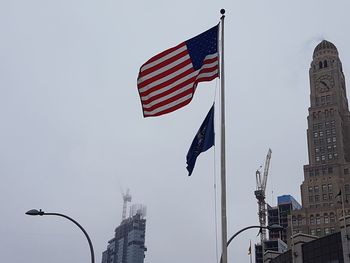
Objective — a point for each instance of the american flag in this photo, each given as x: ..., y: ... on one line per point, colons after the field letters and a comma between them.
x: 167, y: 81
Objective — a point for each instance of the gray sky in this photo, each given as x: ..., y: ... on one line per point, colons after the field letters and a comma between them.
x: 72, y: 133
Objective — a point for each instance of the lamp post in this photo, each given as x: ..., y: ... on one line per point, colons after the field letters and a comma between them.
x: 34, y: 212
x: 272, y: 227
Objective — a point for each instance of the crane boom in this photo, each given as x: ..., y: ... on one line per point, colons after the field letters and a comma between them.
x: 126, y: 198
x: 266, y: 169
x: 260, y: 194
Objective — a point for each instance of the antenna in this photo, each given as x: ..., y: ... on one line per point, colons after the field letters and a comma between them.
x: 126, y: 199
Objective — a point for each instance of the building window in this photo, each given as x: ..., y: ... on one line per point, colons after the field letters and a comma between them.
x: 294, y: 220
x: 313, y: 232
x: 330, y: 170
x: 332, y: 230
x: 315, y: 134
x: 318, y: 232
x: 334, y: 139
x: 327, y: 231
x: 312, y: 220
x: 329, y: 140
x: 324, y: 197
x: 325, y: 63
x: 317, y: 198
x: 346, y: 171
x: 323, y: 157
x: 316, y: 189
x: 331, y: 217
x: 311, y: 189
x: 318, y: 219
x: 330, y: 196
x: 330, y: 187
x: 317, y: 158
x: 317, y: 150
x: 326, y: 218
x: 300, y: 220
x: 330, y: 156
x: 324, y: 188
x: 311, y: 199
x: 320, y: 65
x: 347, y: 188
x: 321, y: 133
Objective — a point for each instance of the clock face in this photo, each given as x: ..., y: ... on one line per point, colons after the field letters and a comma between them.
x: 324, y: 83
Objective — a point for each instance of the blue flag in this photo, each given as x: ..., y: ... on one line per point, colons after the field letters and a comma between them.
x: 203, y: 141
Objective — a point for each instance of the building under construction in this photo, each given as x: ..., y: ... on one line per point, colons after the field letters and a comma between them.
x: 128, y: 243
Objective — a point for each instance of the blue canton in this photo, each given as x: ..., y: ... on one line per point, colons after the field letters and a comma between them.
x: 202, y: 45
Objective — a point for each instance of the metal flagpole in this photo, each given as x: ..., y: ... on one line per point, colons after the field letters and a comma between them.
x: 223, y: 149
x: 250, y: 252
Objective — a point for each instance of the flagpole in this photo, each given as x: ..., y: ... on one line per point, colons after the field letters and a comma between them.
x: 223, y: 149
x: 250, y: 250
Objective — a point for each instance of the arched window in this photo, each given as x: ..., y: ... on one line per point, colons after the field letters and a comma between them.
x: 325, y: 63
x: 318, y: 219
x: 300, y: 220
x: 320, y: 64
x: 312, y: 220
x: 326, y: 218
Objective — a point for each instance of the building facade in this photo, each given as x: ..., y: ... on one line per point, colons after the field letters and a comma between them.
x: 325, y: 190
x: 128, y: 243
x: 277, y: 215
x: 332, y: 248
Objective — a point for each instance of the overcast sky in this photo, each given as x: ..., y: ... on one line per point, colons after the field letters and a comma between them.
x: 73, y: 137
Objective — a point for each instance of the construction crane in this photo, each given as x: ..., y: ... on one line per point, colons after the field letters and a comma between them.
x: 126, y: 198
x: 261, y: 180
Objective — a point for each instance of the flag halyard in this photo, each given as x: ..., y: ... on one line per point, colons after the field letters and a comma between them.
x: 167, y: 81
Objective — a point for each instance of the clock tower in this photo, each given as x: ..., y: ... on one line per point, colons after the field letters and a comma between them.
x: 328, y: 120
x: 325, y: 191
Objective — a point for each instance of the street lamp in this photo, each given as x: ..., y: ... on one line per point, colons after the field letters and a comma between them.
x: 34, y: 212
x: 272, y: 227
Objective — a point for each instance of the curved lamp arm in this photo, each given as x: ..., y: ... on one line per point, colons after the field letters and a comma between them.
x: 272, y: 227
x: 35, y: 212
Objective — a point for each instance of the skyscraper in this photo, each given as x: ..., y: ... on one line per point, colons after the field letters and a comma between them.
x: 325, y: 191
x: 128, y: 243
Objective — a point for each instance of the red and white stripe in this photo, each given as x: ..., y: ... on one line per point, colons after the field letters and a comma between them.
x: 168, y: 80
